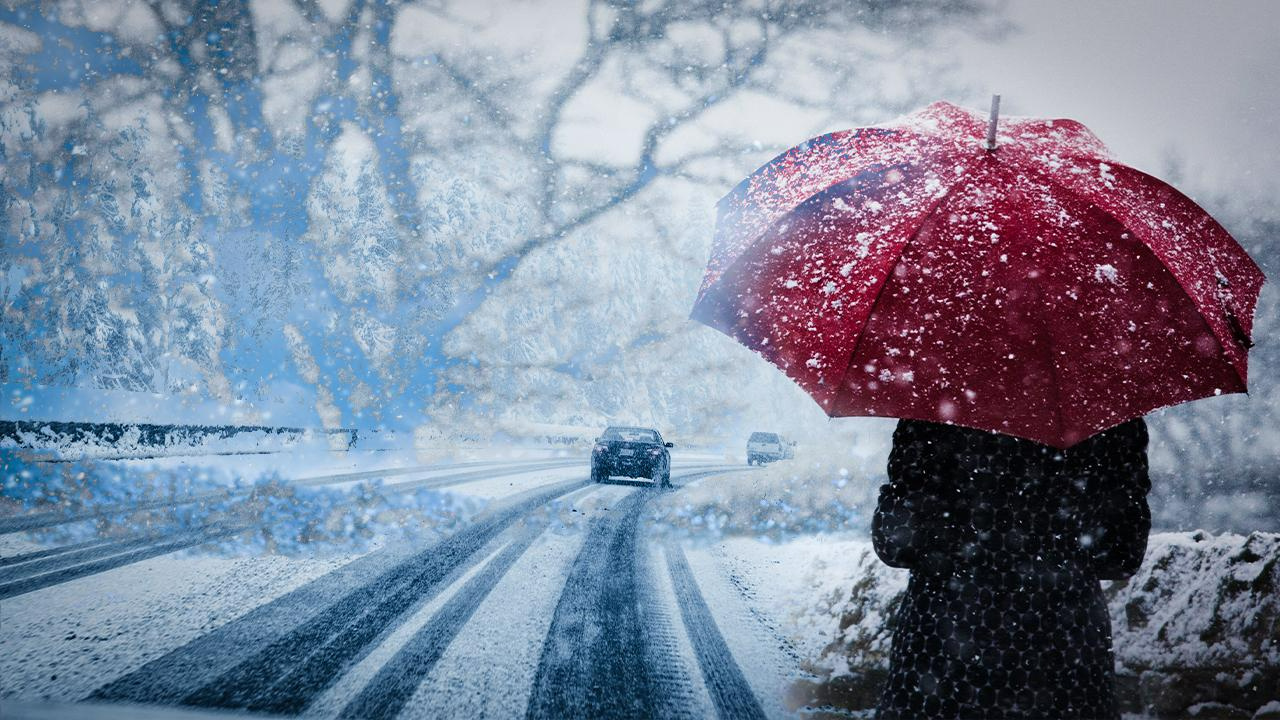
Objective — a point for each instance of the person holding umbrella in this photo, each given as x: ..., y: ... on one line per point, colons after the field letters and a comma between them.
x: 1006, y: 540
x: 1020, y: 300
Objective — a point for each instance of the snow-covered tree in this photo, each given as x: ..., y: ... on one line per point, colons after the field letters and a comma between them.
x: 403, y: 207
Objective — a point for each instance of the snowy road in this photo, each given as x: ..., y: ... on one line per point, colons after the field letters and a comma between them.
x: 562, y: 599
x: 42, y: 568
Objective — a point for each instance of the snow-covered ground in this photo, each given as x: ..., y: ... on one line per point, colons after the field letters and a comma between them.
x: 57, y: 640
x: 1195, y: 630
x: 305, y: 493
x: 758, y: 580
x: 67, y: 639
x: 779, y: 501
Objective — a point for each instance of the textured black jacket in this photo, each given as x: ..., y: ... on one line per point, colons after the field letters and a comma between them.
x: 1006, y: 540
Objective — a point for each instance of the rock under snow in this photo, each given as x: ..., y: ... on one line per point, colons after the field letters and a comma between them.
x: 1196, y: 630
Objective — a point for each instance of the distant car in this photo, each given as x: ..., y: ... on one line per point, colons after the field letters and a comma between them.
x: 632, y: 452
x: 767, y: 447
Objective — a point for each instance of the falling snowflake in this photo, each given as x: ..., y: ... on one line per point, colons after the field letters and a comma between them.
x: 1106, y: 272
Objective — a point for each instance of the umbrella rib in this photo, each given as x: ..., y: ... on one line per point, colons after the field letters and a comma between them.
x: 1054, y: 381
x: 915, y: 232
x: 745, y: 182
x: 1051, y: 180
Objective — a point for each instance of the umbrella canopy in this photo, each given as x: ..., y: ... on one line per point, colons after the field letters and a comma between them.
x: 1039, y: 289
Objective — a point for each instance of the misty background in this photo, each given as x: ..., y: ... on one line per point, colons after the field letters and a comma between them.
x: 456, y: 219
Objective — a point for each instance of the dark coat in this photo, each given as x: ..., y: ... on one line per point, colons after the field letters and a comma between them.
x: 1006, y: 540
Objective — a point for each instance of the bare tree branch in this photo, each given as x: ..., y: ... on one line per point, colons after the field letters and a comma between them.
x: 481, y: 98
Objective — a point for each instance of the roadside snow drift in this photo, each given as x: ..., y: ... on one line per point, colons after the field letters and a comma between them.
x: 1196, y: 630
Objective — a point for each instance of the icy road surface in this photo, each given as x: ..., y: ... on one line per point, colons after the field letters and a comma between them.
x: 561, y: 600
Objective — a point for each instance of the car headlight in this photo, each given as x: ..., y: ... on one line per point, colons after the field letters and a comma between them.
x: 601, y: 448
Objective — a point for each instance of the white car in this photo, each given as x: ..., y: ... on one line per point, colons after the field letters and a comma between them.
x: 766, y: 447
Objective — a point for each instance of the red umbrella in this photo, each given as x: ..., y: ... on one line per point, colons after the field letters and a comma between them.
x: 1031, y: 285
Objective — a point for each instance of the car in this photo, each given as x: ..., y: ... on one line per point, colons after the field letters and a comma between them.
x: 631, y: 452
x: 767, y: 447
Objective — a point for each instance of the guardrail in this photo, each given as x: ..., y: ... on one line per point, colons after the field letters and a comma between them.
x: 74, y: 440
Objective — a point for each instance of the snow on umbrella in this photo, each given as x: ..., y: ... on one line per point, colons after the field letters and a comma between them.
x: 1027, y: 284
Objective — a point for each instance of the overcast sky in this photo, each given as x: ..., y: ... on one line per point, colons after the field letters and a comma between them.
x: 1196, y: 78
x: 1152, y: 78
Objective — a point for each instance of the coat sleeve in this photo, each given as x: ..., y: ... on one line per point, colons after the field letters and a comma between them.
x: 1117, y: 520
x: 913, y: 519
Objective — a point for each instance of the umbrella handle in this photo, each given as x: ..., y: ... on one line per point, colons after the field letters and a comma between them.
x: 992, y: 122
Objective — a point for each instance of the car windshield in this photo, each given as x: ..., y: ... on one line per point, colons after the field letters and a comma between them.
x: 631, y: 435
x: 763, y: 437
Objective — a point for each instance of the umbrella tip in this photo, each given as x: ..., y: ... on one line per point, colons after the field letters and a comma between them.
x: 992, y: 122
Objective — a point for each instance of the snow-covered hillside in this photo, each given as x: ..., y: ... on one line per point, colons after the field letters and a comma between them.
x: 1196, y: 630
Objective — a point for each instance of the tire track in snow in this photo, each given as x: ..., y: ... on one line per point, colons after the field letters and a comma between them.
x: 590, y: 667
x: 490, y: 466
x: 26, y: 557
x: 42, y: 569
x: 73, y: 555
x: 728, y: 687
x: 114, y: 559
x: 287, y: 675
x: 608, y: 653
x: 504, y: 637
x: 444, y: 480
x: 388, y: 692
x: 282, y: 656
x: 37, y: 521
x: 324, y: 626
x: 664, y: 657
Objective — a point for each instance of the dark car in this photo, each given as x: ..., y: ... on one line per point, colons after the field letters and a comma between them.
x: 633, y: 452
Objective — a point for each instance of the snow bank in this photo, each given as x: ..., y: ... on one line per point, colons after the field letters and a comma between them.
x: 99, y: 500
x: 1199, y: 625
x: 1197, y: 629
x: 777, y: 502
x: 75, y: 441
